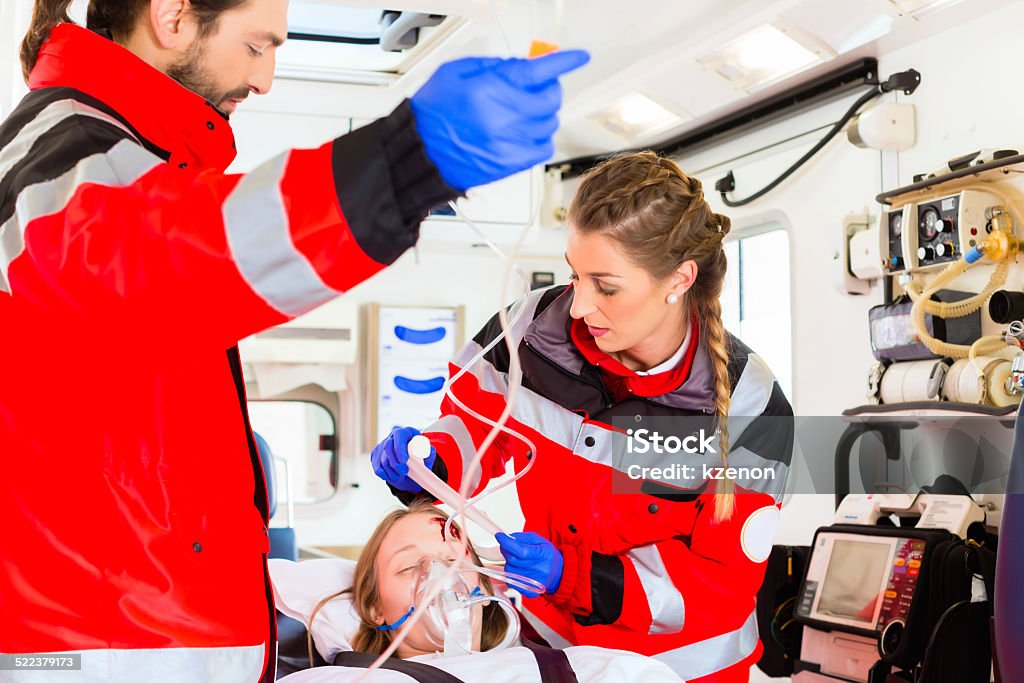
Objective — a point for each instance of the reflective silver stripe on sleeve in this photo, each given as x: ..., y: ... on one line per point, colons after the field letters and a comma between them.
x: 239, y: 664
x: 668, y: 611
x: 45, y: 120
x: 122, y: 165
x: 705, y: 657
x: 752, y: 392
x: 522, y: 312
x: 749, y: 399
x: 531, y: 409
x: 595, y: 442
x: 490, y: 378
x: 261, y: 243
x: 456, y: 428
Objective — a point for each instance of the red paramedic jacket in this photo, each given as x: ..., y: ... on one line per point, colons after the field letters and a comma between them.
x: 650, y: 571
x: 133, y: 504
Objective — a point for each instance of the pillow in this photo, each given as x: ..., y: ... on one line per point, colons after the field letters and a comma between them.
x: 300, y: 586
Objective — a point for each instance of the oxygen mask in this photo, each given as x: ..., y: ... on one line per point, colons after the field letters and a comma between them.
x: 454, y: 603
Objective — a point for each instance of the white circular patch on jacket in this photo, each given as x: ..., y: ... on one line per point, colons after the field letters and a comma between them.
x: 759, y: 532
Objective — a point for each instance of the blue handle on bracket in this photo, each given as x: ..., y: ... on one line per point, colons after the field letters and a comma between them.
x: 408, y: 334
x: 419, y: 386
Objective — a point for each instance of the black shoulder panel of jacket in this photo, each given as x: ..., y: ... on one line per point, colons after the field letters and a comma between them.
x: 772, y: 433
x: 54, y: 153
x: 59, y: 148
x: 407, y: 497
x: 386, y: 184
x: 738, y: 355
x: 607, y: 587
x: 36, y: 101
x: 498, y: 356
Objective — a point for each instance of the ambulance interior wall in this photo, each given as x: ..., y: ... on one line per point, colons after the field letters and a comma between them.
x: 962, y: 104
x: 968, y: 99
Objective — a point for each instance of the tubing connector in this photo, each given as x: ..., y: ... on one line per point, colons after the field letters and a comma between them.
x: 1001, y: 245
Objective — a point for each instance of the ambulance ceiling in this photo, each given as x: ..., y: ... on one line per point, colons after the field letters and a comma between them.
x: 659, y: 66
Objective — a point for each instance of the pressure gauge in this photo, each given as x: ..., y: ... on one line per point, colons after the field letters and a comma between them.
x: 929, y: 224
x: 896, y: 224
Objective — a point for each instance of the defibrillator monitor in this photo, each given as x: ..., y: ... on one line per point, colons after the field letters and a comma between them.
x: 854, y: 580
x: 862, y: 579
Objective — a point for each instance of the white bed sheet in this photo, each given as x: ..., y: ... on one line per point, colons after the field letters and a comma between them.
x: 299, y: 586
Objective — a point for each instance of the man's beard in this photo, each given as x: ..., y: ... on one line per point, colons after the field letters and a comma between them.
x: 191, y: 72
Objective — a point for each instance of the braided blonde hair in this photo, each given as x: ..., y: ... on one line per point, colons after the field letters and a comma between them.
x: 658, y: 216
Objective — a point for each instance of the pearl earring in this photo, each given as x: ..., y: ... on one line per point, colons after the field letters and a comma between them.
x: 672, y: 299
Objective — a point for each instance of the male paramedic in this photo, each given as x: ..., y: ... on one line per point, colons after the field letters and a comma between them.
x: 133, y: 505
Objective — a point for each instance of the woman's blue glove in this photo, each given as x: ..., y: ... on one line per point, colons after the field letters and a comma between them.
x: 533, y: 556
x: 482, y: 118
x: 390, y: 459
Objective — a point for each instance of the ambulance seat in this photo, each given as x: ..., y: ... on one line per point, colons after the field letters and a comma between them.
x: 282, y: 539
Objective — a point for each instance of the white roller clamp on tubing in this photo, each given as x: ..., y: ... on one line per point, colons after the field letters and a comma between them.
x: 419, y: 451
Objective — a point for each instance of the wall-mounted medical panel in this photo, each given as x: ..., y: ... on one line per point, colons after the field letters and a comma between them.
x: 408, y: 353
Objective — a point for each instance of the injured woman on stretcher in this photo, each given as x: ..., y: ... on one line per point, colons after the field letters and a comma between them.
x: 468, y: 633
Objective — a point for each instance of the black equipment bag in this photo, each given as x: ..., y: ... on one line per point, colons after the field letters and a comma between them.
x: 959, y: 648
x: 780, y: 634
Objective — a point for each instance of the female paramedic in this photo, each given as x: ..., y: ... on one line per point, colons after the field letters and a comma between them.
x: 662, y: 571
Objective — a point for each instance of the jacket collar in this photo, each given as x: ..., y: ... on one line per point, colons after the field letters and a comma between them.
x: 162, y: 111
x: 549, y: 334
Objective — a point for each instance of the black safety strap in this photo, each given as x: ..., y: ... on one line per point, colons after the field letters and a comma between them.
x: 553, y: 664
x: 423, y: 673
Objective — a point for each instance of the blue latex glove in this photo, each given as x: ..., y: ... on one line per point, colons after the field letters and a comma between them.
x: 390, y: 459
x: 482, y: 118
x: 533, y: 556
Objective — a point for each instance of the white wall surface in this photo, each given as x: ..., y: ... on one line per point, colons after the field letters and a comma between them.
x: 430, y: 279
x: 14, y: 19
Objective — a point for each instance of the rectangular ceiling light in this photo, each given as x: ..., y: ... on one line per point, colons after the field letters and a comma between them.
x: 764, y: 56
x: 636, y: 116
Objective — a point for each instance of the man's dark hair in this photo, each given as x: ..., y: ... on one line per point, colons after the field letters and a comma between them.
x: 117, y: 16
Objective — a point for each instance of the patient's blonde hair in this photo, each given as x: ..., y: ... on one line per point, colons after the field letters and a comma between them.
x: 365, y: 590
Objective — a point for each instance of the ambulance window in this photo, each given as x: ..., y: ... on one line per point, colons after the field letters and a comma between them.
x: 756, y: 305
x: 303, y: 438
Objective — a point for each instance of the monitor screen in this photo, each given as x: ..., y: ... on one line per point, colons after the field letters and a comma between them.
x: 853, y: 582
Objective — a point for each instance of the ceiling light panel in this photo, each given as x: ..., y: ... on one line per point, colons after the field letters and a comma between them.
x: 636, y: 116
x: 766, y: 55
